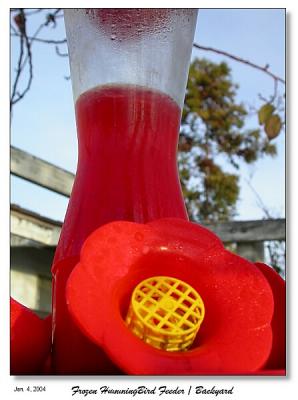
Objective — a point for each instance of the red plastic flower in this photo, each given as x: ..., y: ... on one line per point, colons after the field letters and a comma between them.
x: 276, y: 362
x: 236, y: 335
x: 30, y: 340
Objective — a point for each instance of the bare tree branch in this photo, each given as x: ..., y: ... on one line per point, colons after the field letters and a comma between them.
x: 18, y: 71
x: 47, y: 41
x: 34, y: 11
x: 25, y: 54
x: 14, y: 31
x: 29, y: 56
x: 264, y: 69
x: 16, y: 95
x: 58, y: 52
x: 260, y: 202
x: 276, y: 249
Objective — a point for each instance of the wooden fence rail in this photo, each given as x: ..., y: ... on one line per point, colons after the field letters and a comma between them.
x: 40, y: 172
x: 35, y: 237
x: 248, y: 235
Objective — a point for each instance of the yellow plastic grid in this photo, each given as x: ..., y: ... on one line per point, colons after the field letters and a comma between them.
x: 166, y: 313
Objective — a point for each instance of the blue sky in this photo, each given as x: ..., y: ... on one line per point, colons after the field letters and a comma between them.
x: 44, y: 125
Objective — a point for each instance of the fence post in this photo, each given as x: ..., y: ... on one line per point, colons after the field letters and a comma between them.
x: 253, y: 251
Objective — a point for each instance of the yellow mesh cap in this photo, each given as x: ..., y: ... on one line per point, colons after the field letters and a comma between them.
x: 166, y: 313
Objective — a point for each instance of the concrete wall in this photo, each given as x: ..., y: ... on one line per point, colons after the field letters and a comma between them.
x: 31, y: 290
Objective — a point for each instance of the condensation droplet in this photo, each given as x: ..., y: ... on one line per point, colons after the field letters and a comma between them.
x: 146, y: 249
x: 139, y: 236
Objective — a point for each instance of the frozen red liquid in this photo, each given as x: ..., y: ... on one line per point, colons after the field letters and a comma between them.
x: 127, y: 170
x: 129, y: 23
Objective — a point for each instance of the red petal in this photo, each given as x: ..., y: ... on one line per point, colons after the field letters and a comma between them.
x: 30, y: 340
x: 277, y: 359
x: 236, y: 333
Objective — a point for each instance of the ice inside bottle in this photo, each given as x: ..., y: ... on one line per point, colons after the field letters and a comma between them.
x: 129, y: 71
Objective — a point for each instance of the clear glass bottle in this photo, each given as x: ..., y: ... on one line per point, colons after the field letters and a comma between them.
x: 129, y: 71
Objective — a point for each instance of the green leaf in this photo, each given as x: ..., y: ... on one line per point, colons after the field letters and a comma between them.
x: 265, y: 113
x: 273, y: 126
x: 214, y: 123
